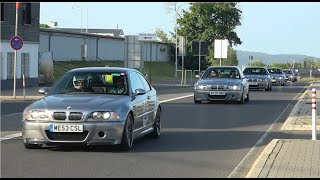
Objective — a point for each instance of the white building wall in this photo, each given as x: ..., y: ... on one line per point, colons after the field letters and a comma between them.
x: 32, y: 49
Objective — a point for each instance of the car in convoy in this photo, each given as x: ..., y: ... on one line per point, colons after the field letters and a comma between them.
x: 258, y: 78
x: 278, y: 77
x: 290, y: 76
x: 221, y: 83
x: 93, y: 106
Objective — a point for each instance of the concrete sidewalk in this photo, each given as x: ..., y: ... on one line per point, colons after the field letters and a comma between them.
x: 292, y: 158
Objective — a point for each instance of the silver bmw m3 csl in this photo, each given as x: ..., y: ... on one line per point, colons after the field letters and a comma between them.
x: 221, y: 83
x: 93, y: 106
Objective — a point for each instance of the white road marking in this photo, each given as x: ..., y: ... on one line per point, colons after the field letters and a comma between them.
x: 11, y: 114
x: 264, y: 135
x: 11, y: 136
x: 173, y: 99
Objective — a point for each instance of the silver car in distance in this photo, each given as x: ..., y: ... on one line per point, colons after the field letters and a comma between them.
x: 93, y: 106
x: 258, y: 78
x: 278, y: 77
x: 221, y: 83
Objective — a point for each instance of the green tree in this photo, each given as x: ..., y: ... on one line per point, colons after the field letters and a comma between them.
x: 257, y: 63
x: 281, y: 65
x: 309, y: 62
x: 163, y: 36
x: 210, y: 21
x: 317, y: 64
x: 44, y: 26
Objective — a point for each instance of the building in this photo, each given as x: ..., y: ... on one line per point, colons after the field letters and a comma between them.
x: 27, y: 56
x: 96, y: 47
x: 108, y: 32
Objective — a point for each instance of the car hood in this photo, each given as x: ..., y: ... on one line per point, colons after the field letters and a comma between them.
x: 256, y: 76
x: 222, y: 81
x: 80, y: 102
x: 278, y: 75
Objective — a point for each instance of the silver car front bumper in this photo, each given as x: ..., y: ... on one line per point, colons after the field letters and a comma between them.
x: 229, y: 96
x: 39, y: 133
x: 258, y: 85
x: 278, y: 81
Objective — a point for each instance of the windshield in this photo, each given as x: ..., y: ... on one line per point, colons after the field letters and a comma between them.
x: 92, y: 83
x: 288, y: 71
x: 232, y: 73
x: 275, y: 71
x: 255, y: 71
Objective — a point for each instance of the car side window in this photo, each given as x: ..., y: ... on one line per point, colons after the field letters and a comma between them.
x: 135, y: 82
x: 145, y: 83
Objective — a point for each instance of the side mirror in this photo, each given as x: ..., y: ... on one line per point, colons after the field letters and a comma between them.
x: 44, y: 90
x: 139, y: 92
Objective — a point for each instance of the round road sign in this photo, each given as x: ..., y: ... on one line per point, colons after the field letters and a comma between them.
x: 16, y: 42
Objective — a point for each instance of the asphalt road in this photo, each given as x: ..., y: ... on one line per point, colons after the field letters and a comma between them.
x: 198, y: 140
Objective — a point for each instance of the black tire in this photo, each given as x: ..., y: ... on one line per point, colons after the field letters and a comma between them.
x: 127, y: 135
x: 241, y: 100
x: 32, y: 146
x: 157, y: 125
x: 248, y: 97
x: 196, y: 101
x: 268, y: 88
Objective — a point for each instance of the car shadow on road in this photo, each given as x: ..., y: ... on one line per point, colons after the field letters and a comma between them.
x: 182, y: 141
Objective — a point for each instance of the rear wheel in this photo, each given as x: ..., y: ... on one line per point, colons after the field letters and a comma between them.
x: 127, y: 136
x: 32, y: 146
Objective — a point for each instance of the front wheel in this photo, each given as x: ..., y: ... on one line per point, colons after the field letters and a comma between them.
x: 127, y: 136
x: 157, y: 125
x: 32, y: 146
x: 248, y: 98
x: 242, y: 99
x: 196, y: 101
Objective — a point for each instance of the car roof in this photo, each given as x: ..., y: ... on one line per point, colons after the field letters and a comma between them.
x: 274, y: 68
x: 256, y: 67
x: 99, y: 69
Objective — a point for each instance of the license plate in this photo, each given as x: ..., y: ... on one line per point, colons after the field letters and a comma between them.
x: 253, y: 83
x: 217, y: 93
x: 273, y: 80
x: 65, y: 128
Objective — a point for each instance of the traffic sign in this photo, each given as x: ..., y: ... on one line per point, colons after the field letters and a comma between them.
x: 16, y: 42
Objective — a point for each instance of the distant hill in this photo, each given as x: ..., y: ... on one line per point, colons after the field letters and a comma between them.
x: 243, y: 57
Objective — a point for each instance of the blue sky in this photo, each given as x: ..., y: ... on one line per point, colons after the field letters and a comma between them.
x: 268, y: 27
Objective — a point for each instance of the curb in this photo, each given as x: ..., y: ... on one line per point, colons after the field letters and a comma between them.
x: 258, y: 165
x: 290, y: 123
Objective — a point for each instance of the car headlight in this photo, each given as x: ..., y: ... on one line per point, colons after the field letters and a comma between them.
x: 36, y: 115
x: 104, y: 115
x: 235, y: 87
x: 201, y: 87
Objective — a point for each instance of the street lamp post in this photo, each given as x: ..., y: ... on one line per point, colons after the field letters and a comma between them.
x: 74, y: 7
